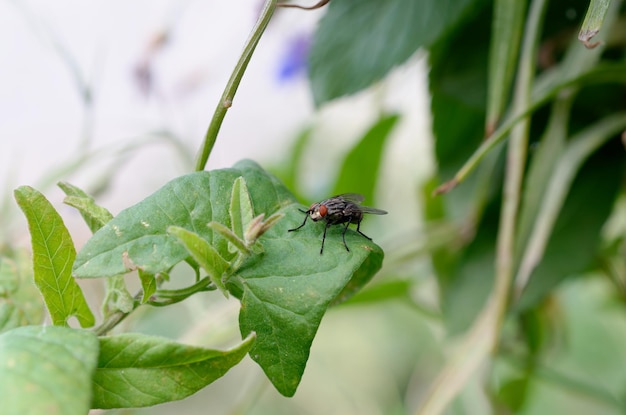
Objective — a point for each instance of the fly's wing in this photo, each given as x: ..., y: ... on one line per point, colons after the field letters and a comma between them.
x: 373, y: 211
x: 352, y: 197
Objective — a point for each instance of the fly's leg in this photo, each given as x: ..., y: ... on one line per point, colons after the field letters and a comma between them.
x: 303, y: 223
x: 344, y: 236
x: 358, y: 229
x: 324, y: 237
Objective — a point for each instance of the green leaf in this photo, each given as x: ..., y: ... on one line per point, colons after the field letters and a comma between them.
x: 359, y: 41
x: 204, y: 254
x: 139, y: 233
x: 94, y: 215
x: 117, y: 297
x: 508, y: 20
x: 290, y: 272
x: 148, y: 285
x: 593, y: 21
x: 135, y: 370
x: 359, y: 170
x: 286, y: 291
x: 53, y: 255
x: 514, y: 393
x: 47, y: 370
x: 241, y: 211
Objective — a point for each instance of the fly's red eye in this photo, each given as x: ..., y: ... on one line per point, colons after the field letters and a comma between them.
x: 323, y: 210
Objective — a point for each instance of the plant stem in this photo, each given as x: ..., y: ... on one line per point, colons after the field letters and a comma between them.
x: 482, y: 337
x: 226, y: 100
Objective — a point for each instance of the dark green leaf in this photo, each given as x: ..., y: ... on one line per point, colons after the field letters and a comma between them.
x: 359, y: 41
x: 574, y: 240
x: 138, y: 237
x: 286, y: 291
x: 508, y: 20
x: 513, y: 393
x: 47, y: 370
x: 135, y: 370
x: 53, y: 255
x: 359, y: 171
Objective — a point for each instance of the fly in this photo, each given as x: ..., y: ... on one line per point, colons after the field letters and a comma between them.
x: 337, y: 210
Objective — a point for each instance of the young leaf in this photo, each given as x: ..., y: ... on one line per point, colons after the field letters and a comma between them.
x: 47, y: 370
x: 117, y: 297
x: 53, y: 255
x: 359, y: 170
x: 135, y: 370
x: 148, y: 285
x: 94, y: 215
x: 241, y: 211
x: 204, y: 254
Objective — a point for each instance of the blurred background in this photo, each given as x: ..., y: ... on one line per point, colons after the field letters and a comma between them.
x: 115, y: 97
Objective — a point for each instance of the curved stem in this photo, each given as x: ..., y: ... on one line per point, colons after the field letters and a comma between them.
x: 226, y: 100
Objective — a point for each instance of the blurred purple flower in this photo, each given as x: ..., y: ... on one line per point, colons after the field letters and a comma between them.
x: 294, y: 59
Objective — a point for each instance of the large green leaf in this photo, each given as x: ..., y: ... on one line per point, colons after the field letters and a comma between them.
x: 47, y: 370
x: 135, y: 370
x: 53, y: 255
x: 284, y: 290
x: 359, y: 171
x: 359, y: 41
x: 138, y: 237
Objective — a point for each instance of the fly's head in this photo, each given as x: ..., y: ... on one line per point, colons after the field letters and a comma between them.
x: 317, y: 211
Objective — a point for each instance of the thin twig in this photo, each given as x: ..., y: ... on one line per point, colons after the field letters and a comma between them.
x: 319, y: 5
x: 226, y: 101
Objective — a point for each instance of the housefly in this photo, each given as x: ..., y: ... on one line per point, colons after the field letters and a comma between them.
x: 337, y: 210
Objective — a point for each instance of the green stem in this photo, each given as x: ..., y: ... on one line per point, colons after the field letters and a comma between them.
x: 226, y: 100
x: 482, y: 337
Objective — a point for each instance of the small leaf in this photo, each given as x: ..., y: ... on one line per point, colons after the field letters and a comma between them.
x: 359, y: 171
x: 94, y: 215
x: 241, y: 211
x: 117, y: 297
x: 135, y: 370
x: 47, y: 370
x: 234, y: 241
x: 204, y: 254
x: 53, y: 255
x: 148, y: 285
